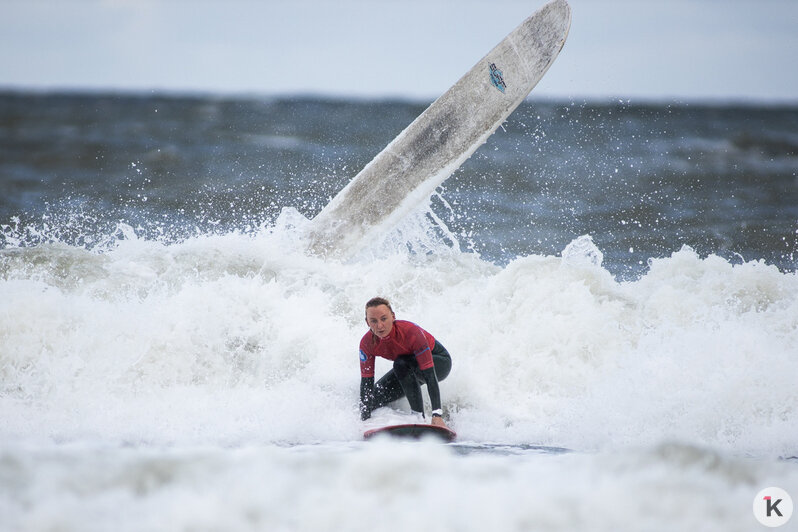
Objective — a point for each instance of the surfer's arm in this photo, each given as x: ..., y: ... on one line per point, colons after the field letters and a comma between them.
x: 432, y: 387
x: 366, y: 397
x: 366, y: 379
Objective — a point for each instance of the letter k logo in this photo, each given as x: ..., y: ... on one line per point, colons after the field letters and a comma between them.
x: 772, y: 506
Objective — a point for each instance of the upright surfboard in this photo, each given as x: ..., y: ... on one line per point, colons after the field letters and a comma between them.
x: 431, y: 148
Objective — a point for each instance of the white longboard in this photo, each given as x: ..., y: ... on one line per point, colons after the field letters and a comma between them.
x: 431, y: 148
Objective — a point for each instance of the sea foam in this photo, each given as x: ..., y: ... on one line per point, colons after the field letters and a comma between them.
x: 239, y: 337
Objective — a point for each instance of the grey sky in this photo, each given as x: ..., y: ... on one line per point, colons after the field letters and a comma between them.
x: 635, y: 49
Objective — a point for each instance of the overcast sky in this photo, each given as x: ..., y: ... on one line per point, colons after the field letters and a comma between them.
x: 631, y: 49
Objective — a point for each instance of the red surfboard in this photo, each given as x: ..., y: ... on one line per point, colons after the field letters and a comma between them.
x: 413, y: 431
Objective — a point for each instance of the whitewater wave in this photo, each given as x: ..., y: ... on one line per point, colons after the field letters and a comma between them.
x: 244, y: 337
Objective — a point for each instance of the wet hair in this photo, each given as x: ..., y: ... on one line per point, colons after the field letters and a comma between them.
x: 377, y: 301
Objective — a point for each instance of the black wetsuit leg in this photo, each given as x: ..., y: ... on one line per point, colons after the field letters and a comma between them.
x: 405, y: 369
x: 442, y: 360
x: 406, y: 375
x: 387, y: 390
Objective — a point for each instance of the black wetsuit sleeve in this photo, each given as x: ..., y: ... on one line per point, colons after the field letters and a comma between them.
x: 432, y: 387
x: 366, y: 397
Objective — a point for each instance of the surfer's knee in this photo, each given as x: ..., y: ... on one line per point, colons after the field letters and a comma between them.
x: 403, y: 366
x: 442, y: 360
x: 442, y: 367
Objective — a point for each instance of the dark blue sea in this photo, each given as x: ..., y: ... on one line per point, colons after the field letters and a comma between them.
x: 642, y: 179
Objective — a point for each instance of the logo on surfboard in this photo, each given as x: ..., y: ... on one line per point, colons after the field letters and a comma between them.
x: 496, y: 77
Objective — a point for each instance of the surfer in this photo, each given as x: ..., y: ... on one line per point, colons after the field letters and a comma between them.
x: 417, y: 359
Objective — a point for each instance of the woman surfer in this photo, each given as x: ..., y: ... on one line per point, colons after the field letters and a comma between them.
x: 417, y: 359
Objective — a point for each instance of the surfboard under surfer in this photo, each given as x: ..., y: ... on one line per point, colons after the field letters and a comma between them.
x: 417, y: 359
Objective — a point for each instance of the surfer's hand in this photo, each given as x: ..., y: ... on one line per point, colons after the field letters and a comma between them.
x: 438, y: 421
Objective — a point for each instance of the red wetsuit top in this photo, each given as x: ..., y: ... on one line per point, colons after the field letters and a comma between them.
x: 405, y: 338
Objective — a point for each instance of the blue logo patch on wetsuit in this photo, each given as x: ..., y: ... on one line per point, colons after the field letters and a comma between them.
x: 363, y: 356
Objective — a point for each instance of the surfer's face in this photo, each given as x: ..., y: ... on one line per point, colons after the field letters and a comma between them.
x: 380, y: 320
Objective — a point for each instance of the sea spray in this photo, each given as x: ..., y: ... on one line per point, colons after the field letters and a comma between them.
x: 237, y: 337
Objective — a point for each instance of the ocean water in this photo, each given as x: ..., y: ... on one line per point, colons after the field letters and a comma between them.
x: 615, y: 281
